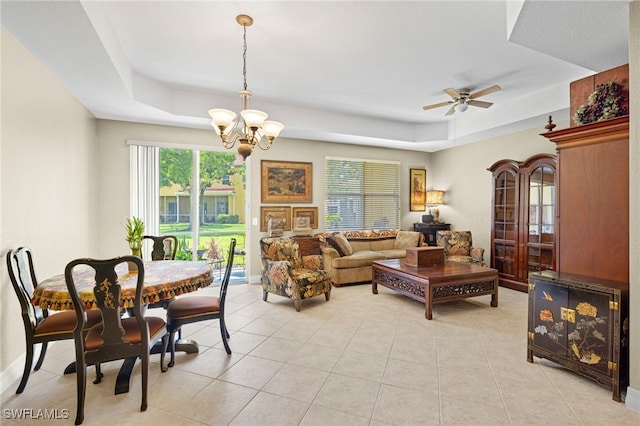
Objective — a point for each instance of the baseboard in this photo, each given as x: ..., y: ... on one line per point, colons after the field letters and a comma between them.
x: 10, y: 375
x: 632, y: 400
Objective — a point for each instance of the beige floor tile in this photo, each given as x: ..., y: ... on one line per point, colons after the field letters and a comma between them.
x: 218, y: 403
x: 277, y: 349
x: 209, y: 362
x: 317, y: 357
x: 242, y: 342
x: 252, y: 372
x: 263, y: 326
x: 473, y: 414
x: 417, y: 376
x: 322, y: 416
x: 362, y: 366
x: 296, y: 382
x: 398, y: 406
x: 266, y: 409
x: 348, y: 395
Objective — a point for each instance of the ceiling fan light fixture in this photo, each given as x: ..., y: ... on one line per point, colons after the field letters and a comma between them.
x: 462, y: 106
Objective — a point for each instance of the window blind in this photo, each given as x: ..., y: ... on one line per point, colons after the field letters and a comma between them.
x: 361, y: 194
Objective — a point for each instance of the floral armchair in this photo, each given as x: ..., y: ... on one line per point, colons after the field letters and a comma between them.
x: 458, y: 247
x: 288, y: 274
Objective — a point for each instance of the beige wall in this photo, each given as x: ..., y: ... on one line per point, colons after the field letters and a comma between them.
x: 48, y: 176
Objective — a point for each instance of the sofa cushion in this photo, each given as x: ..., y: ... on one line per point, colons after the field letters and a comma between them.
x: 406, y: 239
x: 393, y: 253
x: 357, y: 259
x: 340, y: 243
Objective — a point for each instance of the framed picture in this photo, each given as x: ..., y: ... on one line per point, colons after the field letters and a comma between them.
x: 417, y: 194
x: 286, y: 182
x: 310, y: 212
x: 276, y: 213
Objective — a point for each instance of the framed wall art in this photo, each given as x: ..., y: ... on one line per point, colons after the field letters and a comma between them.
x: 417, y: 194
x: 276, y: 213
x: 310, y: 212
x: 286, y: 182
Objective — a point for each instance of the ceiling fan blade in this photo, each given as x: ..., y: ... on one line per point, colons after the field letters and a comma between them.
x: 426, y: 107
x: 481, y: 104
x: 452, y: 109
x: 483, y: 92
x: 452, y: 92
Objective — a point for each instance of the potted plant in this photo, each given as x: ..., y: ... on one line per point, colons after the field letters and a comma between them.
x: 135, y: 231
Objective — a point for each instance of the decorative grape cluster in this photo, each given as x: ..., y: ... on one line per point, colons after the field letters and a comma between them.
x: 604, y: 103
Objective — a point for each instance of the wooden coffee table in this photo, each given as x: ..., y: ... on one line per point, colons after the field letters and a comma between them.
x: 450, y: 281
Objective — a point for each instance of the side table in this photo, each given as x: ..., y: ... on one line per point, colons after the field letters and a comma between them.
x: 429, y: 231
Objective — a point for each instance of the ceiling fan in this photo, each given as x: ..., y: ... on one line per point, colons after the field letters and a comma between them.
x: 462, y: 98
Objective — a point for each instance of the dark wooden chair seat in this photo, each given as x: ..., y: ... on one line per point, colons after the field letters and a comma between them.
x: 40, y: 327
x: 189, y: 309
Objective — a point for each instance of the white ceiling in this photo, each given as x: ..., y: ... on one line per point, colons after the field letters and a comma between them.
x: 344, y: 71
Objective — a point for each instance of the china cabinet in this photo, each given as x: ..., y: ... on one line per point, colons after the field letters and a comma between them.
x: 523, y: 218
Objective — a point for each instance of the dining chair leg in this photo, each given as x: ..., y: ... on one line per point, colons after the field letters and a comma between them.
x: 43, y: 351
x: 165, y: 343
x: 99, y: 374
x: 225, y: 335
x: 145, y: 378
x: 172, y: 347
x: 28, y: 362
x: 81, y: 381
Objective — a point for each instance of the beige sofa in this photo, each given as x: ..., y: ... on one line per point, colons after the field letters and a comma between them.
x: 348, y: 255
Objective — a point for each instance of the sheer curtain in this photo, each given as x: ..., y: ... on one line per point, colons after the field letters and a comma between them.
x: 144, y: 180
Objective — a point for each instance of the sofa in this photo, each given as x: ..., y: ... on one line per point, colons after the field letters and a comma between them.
x: 458, y: 247
x: 348, y: 256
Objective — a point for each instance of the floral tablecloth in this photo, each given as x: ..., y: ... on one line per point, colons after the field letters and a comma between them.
x: 162, y: 280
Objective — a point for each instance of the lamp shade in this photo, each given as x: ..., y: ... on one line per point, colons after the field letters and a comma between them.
x: 253, y: 118
x: 221, y: 117
x: 434, y: 197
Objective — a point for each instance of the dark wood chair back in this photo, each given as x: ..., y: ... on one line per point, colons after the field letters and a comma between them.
x: 189, y: 309
x: 159, y: 252
x: 39, y: 326
x: 116, y: 337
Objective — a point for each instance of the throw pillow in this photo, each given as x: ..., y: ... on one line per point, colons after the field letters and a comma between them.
x: 341, y: 244
x: 406, y: 239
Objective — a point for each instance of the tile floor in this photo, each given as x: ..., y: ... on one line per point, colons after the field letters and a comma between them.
x: 359, y: 359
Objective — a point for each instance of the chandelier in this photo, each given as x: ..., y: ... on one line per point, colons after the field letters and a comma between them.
x: 251, y: 128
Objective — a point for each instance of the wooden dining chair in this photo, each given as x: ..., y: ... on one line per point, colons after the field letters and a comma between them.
x: 164, y: 246
x: 40, y: 327
x: 115, y: 337
x: 188, y: 309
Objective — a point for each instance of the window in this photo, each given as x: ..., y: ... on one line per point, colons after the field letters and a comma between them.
x: 361, y: 194
x: 163, y: 196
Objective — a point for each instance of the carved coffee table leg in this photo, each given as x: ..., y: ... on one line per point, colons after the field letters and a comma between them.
x: 428, y: 302
x: 494, y: 297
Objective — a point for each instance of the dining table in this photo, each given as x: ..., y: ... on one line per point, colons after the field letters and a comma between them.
x: 163, y: 280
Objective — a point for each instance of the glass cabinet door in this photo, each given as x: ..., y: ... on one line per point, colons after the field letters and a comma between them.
x: 505, y: 218
x: 541, y: 219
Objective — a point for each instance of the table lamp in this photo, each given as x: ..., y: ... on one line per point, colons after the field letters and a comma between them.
x: 435, y: 198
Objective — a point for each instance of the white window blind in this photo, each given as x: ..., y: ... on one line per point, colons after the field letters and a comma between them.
x: 361, y: 194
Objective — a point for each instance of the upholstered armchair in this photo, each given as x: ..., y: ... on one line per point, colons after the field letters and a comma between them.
x: 288, y: 274
x: 458, y: 247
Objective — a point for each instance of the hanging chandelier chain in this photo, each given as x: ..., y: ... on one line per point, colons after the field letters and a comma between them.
x: 244, y: 57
